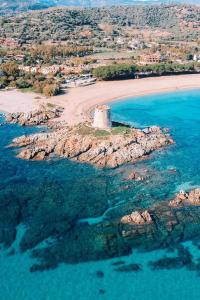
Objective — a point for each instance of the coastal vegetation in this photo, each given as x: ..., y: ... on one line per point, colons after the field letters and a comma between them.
x: 115, y: 71
x: 125, y: 71
x: 85, y: 130
x: 12, y: 76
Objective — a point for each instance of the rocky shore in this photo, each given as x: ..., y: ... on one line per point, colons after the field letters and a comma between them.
x: 83, y: 143
x: 40, y: 116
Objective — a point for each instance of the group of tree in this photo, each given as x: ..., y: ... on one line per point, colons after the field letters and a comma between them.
x: 125, y: 71
x: 115, y: 71
x: 68, y: 24
x: 11, y: 76
x: 47, y: 52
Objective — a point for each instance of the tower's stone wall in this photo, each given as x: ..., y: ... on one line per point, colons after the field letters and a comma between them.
x: 102, y: 117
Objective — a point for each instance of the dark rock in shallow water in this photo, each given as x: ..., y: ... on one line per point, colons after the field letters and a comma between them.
x: 100, y: 274
x: 118, y: 263
x: 167, y: 263
x: 129, y: 268
x: 42, y: 267
x: 183, y: 259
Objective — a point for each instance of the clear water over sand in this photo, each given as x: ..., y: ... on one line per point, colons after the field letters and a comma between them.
x: 51, y: 187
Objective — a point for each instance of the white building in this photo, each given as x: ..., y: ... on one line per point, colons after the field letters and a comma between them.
x: 102, y: 117
x: 196, y: 57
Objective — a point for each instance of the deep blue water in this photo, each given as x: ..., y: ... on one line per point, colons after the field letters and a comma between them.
x: 36, y: 196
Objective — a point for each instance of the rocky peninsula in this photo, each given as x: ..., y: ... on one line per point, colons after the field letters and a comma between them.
x: 83, y: 143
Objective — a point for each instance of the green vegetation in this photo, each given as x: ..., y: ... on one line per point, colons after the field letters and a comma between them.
x: 89, y: 26
x: 124, y: 71
x: 85, y: 130
x: 101, y: 133
x: 163, y: 68
x: 115, y: 71
x: 124, y: 130
x: 13, y: 77
x: 54, y: 54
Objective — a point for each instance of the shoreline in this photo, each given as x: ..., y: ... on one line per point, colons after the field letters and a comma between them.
x: 153, y: 92
x: 79, y: 102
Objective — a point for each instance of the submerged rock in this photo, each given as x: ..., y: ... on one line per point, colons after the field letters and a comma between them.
x: 129, y: 268
x: 135, y: 176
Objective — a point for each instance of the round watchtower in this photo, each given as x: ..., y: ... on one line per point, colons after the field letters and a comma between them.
x: 102, y: 117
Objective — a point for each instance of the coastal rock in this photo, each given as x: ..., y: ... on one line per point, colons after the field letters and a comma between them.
x: 137, y: 218
x: 107, y: 150
x: 192, y: 198
x: 135, y: 176
x: 36, y: 117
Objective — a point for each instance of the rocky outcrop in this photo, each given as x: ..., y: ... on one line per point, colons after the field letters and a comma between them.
x: 137, y: 218
x: 37, y: 117
x: 186, y: 198
x: 135, y: 176
x: 101, y: 150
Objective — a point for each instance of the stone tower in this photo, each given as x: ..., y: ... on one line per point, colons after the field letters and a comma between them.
x: 102, y: 117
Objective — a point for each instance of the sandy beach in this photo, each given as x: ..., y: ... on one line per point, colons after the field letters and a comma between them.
x: 79, y: 101
x: 15, y: 101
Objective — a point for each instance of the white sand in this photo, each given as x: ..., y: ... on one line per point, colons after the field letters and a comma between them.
x: 16, y: 101
x: 79, y: 101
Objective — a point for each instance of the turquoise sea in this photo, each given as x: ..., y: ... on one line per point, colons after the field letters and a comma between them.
x: 50, y: 212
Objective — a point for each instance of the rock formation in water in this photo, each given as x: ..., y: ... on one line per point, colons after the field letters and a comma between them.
x: 184, y: 198
x: 137, y: 218
x: 162, y: 226
x: 97, y: 147
x: 37, y: 117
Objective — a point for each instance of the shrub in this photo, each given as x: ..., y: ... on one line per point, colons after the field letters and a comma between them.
x: 10, y: 68
x: 3, y: 82
x: 22, y: 84
x: 51, y: 89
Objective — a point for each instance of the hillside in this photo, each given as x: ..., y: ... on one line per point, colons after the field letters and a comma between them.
x: 91, y: 25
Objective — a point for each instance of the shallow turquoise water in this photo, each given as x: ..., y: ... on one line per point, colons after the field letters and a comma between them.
x: 37, y: 191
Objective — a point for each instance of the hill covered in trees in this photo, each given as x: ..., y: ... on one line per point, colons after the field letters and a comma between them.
x: 91, y: 25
